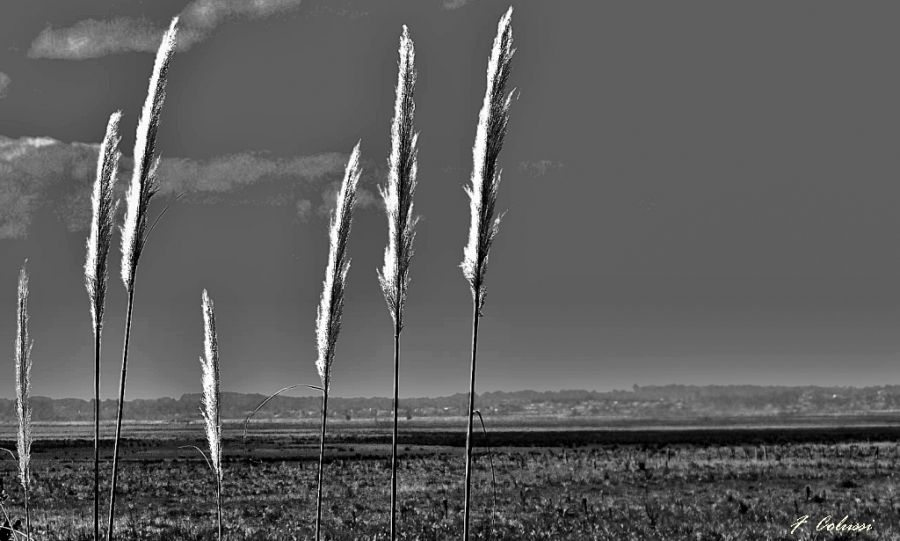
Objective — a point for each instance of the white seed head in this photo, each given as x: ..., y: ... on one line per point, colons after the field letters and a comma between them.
x: 143, y: 180
x: 103, y: 210
x: 23, y: 382
x: 398, y: 195
x: 331, y: 304
x: 209, y: 362
x: 492, y: 124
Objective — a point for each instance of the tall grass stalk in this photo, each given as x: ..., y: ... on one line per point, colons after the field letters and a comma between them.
x: 23, y: 394
x: 96, y: 272
x: 489, y: 135
x: 398, y: 202
x: 331, y: 304
x: 143, y: 187
x: 209, y: 361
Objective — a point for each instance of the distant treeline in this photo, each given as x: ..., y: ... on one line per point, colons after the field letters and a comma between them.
x: 667, y: 401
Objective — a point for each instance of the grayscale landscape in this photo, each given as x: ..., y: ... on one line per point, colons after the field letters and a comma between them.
x: 449, y: 269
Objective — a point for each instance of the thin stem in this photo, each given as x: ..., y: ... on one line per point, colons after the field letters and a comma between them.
x: 493, y: 477
x: 321, y: 460
x: 219, y: 504
x: 27, y: 516
x: 199, y: 450
x: 475, y: 316
x: 394, y: 439
x: 270, y: 397
x: 97, y: 331
x: 115, y: 464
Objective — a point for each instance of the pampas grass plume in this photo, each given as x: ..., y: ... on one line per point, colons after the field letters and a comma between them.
x: 23, y: 393
x: 142, y: 188
x: 398, y: 204
x: 209, y: 361
x: 23, y: 382
x: 144, y: 183
x: 331, y: 303
x: 104, y: 209
x: 96, y: 270
x: 492, y: 126
x: 398, y: 195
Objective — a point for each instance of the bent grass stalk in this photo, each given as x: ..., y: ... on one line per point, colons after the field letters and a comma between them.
x: 398, y: 202
x: 134, y: 232
x: 96, y: 271
x: 209, y: 361
x: 23, y: 394
x: 331, y: 304
x: 268, y: 399
x: 492, y: 125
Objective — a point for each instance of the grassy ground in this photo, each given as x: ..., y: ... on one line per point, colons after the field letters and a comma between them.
x: 573, y: 490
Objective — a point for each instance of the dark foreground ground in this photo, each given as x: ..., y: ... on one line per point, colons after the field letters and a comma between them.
x: 574, y: 483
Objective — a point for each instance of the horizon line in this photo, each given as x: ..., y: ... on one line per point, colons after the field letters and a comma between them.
x: 495, y: 391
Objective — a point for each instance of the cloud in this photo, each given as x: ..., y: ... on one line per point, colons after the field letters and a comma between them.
x: 207, y: 14
x: 304, y: 209
x: 364, y: 198
x: 4, y: 84
x: 17, y: 203
x: 43, y: 173
x: 338, y: 9
x: 454, y: 4
x: 92, y: 38
x: 539, y: 168
x: 231, y: 173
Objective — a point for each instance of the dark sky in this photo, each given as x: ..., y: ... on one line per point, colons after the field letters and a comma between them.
x: 698, y: 192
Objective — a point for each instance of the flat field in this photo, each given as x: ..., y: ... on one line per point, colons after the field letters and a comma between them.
x: 564, y: 482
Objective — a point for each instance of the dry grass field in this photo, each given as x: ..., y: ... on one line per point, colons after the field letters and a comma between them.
x: 725, y: 484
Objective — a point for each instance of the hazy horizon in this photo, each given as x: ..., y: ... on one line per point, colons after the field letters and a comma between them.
x: 697, y: 193
x: 306, y: 394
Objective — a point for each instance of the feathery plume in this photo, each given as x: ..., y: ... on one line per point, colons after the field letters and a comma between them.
x: 398, y: 195
x: 209, y: 361
x: 134, y: 231
x: 144, y: 184
x: 398, y: 203
x: 492, y: 125
x: 95, y: 265
x: 23, y: 382
x: 96, y: 273
x: 23, y: 393
x: 331, y: 304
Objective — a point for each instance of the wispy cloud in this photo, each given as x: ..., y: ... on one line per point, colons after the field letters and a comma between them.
x: 233, y: 172
x: 4, y: 84
x: 339, y: 8
x: 92, y: 38
x: 454, y: 4
x: 40, y: 172
x: 539, y: 168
